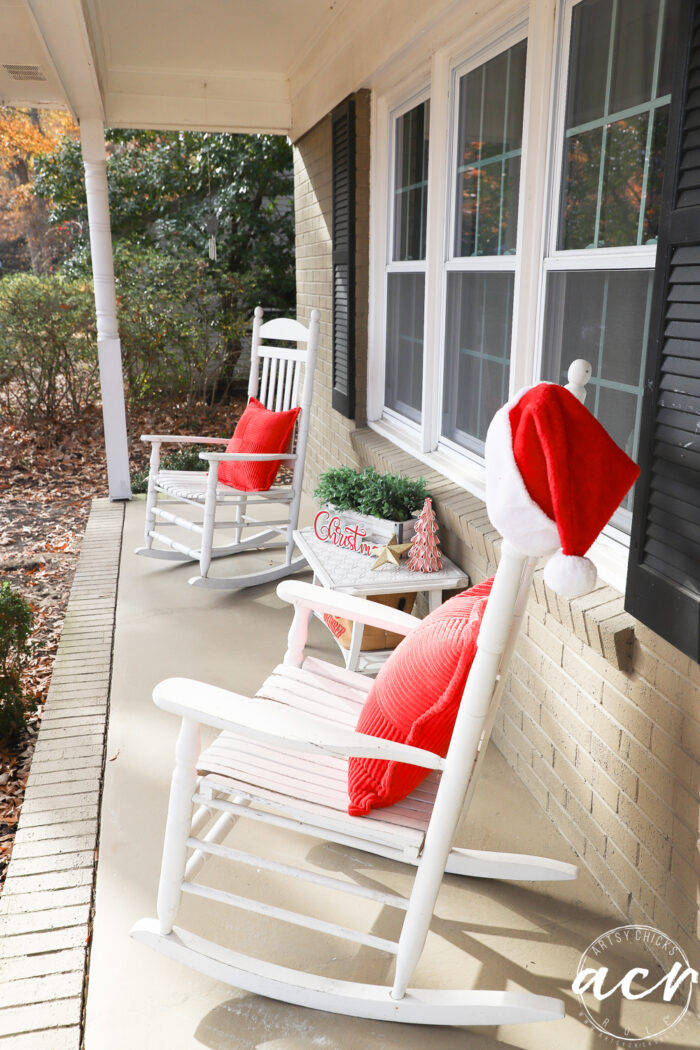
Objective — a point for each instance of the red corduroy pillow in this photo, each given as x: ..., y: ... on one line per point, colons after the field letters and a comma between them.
x: 415, y: 699
x: 258, y: 430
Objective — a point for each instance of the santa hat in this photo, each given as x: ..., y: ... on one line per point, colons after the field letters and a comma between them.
x: 554, y: 477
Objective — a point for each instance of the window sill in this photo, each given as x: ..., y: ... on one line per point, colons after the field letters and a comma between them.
x: 597, y: 619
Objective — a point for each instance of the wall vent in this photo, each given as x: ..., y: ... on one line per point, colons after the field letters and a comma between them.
x: 24, y: 72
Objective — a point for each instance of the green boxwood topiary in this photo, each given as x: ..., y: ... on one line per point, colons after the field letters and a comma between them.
x: 389, y: 496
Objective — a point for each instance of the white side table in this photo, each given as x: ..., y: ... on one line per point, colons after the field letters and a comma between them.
x: 344, y: 570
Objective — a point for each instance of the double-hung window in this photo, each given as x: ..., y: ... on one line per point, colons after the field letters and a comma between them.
x: 610, y: 150
x: 460, y: 319
x: 405, y: 270
x: 482, y: 243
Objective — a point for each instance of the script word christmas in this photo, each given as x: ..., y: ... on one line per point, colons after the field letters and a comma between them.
x: 329, y: 528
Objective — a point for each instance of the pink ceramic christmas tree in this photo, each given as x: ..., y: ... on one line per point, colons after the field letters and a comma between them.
x: 424, y: 555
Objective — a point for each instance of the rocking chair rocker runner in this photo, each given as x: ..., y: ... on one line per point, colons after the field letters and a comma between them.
x: 281, y: 759
x: 275, y: 379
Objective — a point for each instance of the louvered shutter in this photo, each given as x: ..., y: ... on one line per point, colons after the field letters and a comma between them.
x: 343, y: 123
x: 663, y: 583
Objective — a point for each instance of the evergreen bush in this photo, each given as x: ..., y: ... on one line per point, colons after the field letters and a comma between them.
x: 186, y: 458
x: 15, y: 629
x: 389, y: 496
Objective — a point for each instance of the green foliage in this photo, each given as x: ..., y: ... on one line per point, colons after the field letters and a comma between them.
x: 166, y: 187
x: 185, y: 458
x: 15, y: 628
x: 48, y: 358
x: 182, y: 333
x: 380, y: 495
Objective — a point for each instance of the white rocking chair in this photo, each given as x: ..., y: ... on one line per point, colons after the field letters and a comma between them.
x: 275, y: 379
x: 281, y: 759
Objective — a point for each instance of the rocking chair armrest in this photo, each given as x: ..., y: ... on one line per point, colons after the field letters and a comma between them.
x: 246, y: 457
x: 277, y: 724
x: 349, y: 606
x: 184, y: 439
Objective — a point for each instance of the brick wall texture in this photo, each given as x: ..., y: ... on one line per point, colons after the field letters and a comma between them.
x: 601, y: 717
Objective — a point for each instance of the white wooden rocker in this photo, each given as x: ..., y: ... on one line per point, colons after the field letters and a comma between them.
x: 275, y: 379
x: 281, y: 759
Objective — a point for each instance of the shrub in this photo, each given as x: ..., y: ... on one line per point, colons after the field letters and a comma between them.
x: 186, y: 458
x: 15, y: 628
x: 48, y: 358
x: 380, y: 495
x: 181, y: 330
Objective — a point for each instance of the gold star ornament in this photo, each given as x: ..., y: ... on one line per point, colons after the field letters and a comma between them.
x: 390, y: 554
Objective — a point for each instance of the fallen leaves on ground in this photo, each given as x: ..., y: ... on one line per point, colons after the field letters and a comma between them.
x: 49, y: 474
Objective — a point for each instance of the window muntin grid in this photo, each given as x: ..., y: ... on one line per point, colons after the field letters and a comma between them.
x: 412, y: 131
x: 405, y: 270
x: 480, y: 277
x: 489, y: 147
x: 603, y: 317
x: 618, y: 93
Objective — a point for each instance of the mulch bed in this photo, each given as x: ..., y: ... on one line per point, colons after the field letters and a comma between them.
x: 49, y: 474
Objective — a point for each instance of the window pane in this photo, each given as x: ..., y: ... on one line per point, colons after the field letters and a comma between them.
x: 411, y: 183
x: 633, y: 53
x: 590, y: 37
x: 623, y: 174
x: 656, y: 173
x: 617, y: 95
x: 404, y: 343
x: 477, y: 353
x: 489, y: 142
x: 602, y: 316
x: 582, y: 176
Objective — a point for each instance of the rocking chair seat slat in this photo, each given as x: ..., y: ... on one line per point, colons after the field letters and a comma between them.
x: 314, y: 787
x: 192, y: 485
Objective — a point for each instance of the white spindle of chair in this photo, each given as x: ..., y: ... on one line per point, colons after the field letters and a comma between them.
x: 291, y: 370
x: 283, y: 366
x: 272, y: 381
x: 264, y: 380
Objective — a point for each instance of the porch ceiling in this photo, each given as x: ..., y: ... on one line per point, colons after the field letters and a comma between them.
x: 219, y: 64
x: 229, y: 65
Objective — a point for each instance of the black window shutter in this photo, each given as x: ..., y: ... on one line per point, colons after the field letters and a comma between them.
x: 343, y: 124
x: 663, y: 582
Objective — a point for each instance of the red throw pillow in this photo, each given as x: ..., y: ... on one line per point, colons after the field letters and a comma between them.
x: 415, y: 698
x: 258, y: 430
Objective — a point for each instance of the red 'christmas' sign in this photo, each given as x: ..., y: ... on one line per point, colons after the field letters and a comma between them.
x: 328, y: 527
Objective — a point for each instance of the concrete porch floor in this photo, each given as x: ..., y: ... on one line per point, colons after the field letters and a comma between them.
x: 491, y: 935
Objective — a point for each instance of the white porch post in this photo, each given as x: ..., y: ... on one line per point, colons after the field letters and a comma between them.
x: 92, y: 140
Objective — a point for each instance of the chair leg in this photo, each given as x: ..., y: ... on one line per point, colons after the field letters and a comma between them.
x: 152, y: 495
x: 208, y: 523
x: 177, y: 828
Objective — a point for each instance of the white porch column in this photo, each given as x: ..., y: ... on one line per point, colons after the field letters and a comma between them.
x: 92, y: 140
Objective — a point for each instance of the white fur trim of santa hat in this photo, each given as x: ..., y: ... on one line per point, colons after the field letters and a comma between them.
x: 510, y: 506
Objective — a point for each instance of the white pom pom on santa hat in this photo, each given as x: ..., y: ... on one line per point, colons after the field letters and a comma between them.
x: 554, y: 476
x: 569, y: 575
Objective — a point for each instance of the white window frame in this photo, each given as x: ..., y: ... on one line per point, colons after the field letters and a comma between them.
x: 403, y: 266
x: 424, y: 440
x: 547, y: 27
x: 614, y: 542
x: 470, y: 264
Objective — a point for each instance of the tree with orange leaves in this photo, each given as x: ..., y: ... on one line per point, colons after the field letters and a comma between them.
x: 24, y: 135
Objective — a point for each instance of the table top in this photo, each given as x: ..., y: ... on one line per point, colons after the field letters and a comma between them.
x: 344, y: 570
